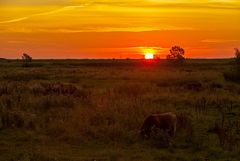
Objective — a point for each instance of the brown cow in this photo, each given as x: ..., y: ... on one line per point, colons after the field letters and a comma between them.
x: 164, y: 121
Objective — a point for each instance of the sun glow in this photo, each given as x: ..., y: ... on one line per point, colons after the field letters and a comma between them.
x: 149, y: 53
x: 149, y: 56
x: 118, y: 28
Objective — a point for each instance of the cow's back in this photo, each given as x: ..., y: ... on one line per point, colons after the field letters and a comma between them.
x: 165, y: 120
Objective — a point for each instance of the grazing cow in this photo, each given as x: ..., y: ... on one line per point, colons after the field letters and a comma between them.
x: 164, y: 121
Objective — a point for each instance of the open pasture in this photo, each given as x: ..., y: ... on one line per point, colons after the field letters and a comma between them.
x: 74, y: 110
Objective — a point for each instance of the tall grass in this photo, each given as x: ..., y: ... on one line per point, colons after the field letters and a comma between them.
x: 99, y: 106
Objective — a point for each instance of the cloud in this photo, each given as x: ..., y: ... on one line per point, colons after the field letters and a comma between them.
x: 208, y: 4
x: 33, y: 2
x: 219, y: 40
x: 14, y: 20
x: 103, y: 28
x: 120, y: 15
x: 217, y: 4
x: 42, y: 14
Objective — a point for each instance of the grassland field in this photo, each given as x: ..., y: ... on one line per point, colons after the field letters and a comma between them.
x: 92, y: 110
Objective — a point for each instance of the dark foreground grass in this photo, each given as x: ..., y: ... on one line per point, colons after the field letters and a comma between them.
x: 93, y: 110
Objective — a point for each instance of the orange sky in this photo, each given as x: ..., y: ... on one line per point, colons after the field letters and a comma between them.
x: 118, y: 28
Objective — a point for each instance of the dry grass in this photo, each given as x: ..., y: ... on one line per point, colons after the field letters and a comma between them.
x: 91, y: 105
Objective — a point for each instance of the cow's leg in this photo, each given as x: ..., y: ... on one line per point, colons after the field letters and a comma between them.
x: 171, y: 132
x: 146, y: 132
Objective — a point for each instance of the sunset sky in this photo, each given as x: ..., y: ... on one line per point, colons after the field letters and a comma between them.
x: 118, y: 28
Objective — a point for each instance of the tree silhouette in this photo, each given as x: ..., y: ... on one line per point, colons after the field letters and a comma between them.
x: 26, y: 60
x: 26, y: 57
x: 237, y: 55
x: 176, y: 53
x: 237, y: 59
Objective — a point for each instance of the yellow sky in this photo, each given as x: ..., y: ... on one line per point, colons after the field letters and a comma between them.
x: 118, y: 28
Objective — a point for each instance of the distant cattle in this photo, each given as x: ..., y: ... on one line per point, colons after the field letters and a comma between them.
x: 164, y: 121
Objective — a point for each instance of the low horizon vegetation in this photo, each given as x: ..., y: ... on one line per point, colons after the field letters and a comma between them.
x: 94, y: 109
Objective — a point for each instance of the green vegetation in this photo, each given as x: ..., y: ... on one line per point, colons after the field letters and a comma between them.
x: 74, y: 110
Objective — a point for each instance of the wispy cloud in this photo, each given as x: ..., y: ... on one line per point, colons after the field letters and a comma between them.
x: 33, y: 2
x: 189, y: 4
x: 96, y: 29
x: 42, y: 14
x: 219, y: 40
x: 14, y: 20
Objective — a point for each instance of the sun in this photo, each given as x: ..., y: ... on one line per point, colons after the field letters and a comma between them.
x: 149, y: 56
